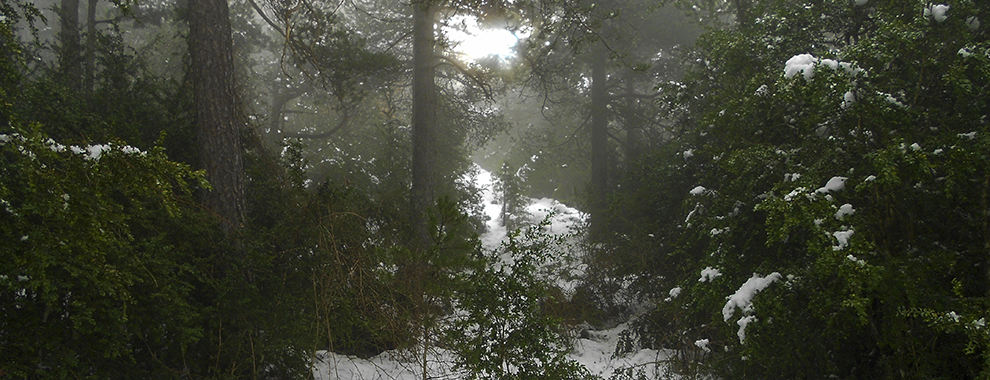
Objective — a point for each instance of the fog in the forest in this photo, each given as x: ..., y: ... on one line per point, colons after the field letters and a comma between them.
x: 552, y: 189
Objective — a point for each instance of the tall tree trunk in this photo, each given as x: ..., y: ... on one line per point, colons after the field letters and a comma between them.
x: 69, y: 61
x: 90, y: 74
x: 599, y: 139
x: 632, y: 120
x: 424, y: 120
x: 424, y: 131
x: 218, y: 132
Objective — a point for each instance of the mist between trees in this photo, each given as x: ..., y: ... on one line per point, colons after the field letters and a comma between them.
x: 238, y: 189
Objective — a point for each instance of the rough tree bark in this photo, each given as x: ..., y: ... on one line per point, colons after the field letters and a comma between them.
x: 424, y: 120
x: 218, y: 132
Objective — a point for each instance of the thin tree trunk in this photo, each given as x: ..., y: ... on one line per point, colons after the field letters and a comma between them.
x: 599, y: 139
x: 90, y: 74
x: 70, y: 62
x: 218, y: 132
x: 424, y: 121
x: 632, y: 120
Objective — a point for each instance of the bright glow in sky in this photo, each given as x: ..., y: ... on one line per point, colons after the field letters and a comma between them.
x: 475, y: 42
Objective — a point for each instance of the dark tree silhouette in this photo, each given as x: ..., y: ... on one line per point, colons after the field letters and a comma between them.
x: 212, y: 72
x: 599, y: 136
x: 69, y: 60
x: 424, y: 120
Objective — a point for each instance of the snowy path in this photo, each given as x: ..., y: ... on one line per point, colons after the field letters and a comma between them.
x: 564, y: 221
x: 595, y: 353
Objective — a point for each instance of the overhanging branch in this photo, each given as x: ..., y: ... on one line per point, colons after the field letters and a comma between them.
x: 346, y: 117
x: 485, y: 87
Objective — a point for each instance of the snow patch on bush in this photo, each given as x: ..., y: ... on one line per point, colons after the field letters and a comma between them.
x: 743, y: 300
x: 801, y: 63
x: 743, y: 297
x: 973, y: 22
x: 743, y: 322
x: 708, y: 274
x: 833, y: 184
x: 856, y: 260
x: 703, y: 344
x: 673, y: 294
x: 844, y: 210
x: 805, y: 64
x: 848, y: 99
x: 843, y: 239
x: 937, y: 12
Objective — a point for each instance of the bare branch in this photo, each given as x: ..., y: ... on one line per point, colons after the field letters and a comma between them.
x: 485, y: 87
x: 268, y: 20
x: 313, y: 136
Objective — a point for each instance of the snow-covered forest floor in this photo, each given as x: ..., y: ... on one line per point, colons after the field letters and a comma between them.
x: 595, y: 350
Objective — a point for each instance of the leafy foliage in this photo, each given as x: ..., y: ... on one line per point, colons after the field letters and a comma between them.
x: 858, y: 176
x: 88, y: 254
x: 112, y: 271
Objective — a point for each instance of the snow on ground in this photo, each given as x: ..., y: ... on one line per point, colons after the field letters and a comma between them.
x: 564, y: 221
x: 496, y: 231
x: 387, y: 366
x: 595, y: 350
x: 596, y: 353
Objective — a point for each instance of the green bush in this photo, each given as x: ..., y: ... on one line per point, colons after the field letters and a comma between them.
x: 876, y: 278
x: 504, y: 330
x: 90, y: 276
